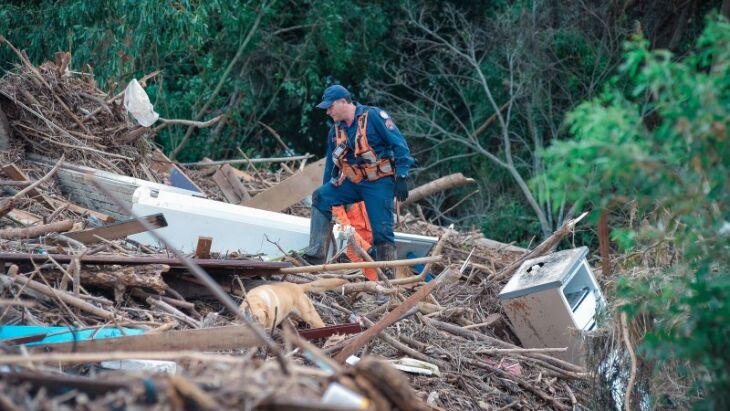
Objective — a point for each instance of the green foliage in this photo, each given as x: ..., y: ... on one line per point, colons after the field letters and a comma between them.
x: 663, y: 148
x: 553, y: 54
x: 510, y: 219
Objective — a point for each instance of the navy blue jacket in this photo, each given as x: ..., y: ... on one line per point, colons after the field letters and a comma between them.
x: 383, y: 136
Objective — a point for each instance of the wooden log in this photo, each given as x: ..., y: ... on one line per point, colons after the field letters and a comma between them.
x: 365, y: 264
x: 438, y: 185
x: 543, y: 248
x: 396, y: 314
x: 145, y: 276
x: 117, y: 230
x: 202, y: 249
x: 37, y: 230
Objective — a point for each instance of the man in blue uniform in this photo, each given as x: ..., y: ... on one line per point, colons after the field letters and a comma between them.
x: 367, y: 160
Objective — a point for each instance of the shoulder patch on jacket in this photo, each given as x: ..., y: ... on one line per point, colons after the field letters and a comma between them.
x: 389, y: 124
x: 384, y: 115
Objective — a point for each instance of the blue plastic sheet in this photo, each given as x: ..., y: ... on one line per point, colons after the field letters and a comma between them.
x: 62, y: 334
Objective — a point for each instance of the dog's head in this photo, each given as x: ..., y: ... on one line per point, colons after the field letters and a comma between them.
x: 256, y: 312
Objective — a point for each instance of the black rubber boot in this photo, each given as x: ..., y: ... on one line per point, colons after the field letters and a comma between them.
x: 320, y: 229
x: 386, y: 252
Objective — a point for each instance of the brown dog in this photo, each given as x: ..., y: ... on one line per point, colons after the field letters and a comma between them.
x: 270, y: 304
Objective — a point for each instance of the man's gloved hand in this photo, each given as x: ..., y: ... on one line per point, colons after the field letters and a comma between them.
x: 401, y: 188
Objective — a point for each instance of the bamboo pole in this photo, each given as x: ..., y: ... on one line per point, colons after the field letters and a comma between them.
x: 247, y: 161
x: 365, y: 264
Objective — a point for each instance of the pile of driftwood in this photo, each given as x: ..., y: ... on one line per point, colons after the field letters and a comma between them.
x: 54, y: 111
x: 453, y: 322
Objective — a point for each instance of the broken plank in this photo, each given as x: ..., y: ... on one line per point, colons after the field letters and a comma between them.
x: 26, y: 258
x: 324, y: 332
x: 221, y: 180
x: 289, y: 191
x: 12, y: 171
x: 242, y: 175
x: 232, y: 337
x: 235, y: 183
x: 117, y: 230
x: 25, y: 217
x: 202, y: 250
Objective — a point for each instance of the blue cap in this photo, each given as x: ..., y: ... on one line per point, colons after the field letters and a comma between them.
x: 331, y: 94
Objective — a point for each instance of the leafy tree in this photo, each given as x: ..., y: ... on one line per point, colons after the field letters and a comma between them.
x: 490, y: 90
x: 661, y: 148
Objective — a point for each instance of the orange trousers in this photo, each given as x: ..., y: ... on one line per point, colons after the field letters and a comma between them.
x: 355, y: 216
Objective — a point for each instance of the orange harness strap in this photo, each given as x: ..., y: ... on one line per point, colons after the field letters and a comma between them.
x: 373, y: 169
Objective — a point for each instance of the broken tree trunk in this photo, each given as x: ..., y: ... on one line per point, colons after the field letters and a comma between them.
x: 36, y: 230
x: 542, y: 249
x: 145, y: 276
x: 435, y: 186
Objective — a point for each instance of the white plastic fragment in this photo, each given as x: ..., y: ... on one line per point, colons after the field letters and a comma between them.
x: 169, y: 367
x: 341, y: 396
x: 138, y: 104
x: 415, y: 366
x: 405, y: 364
x: 352, y: 360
